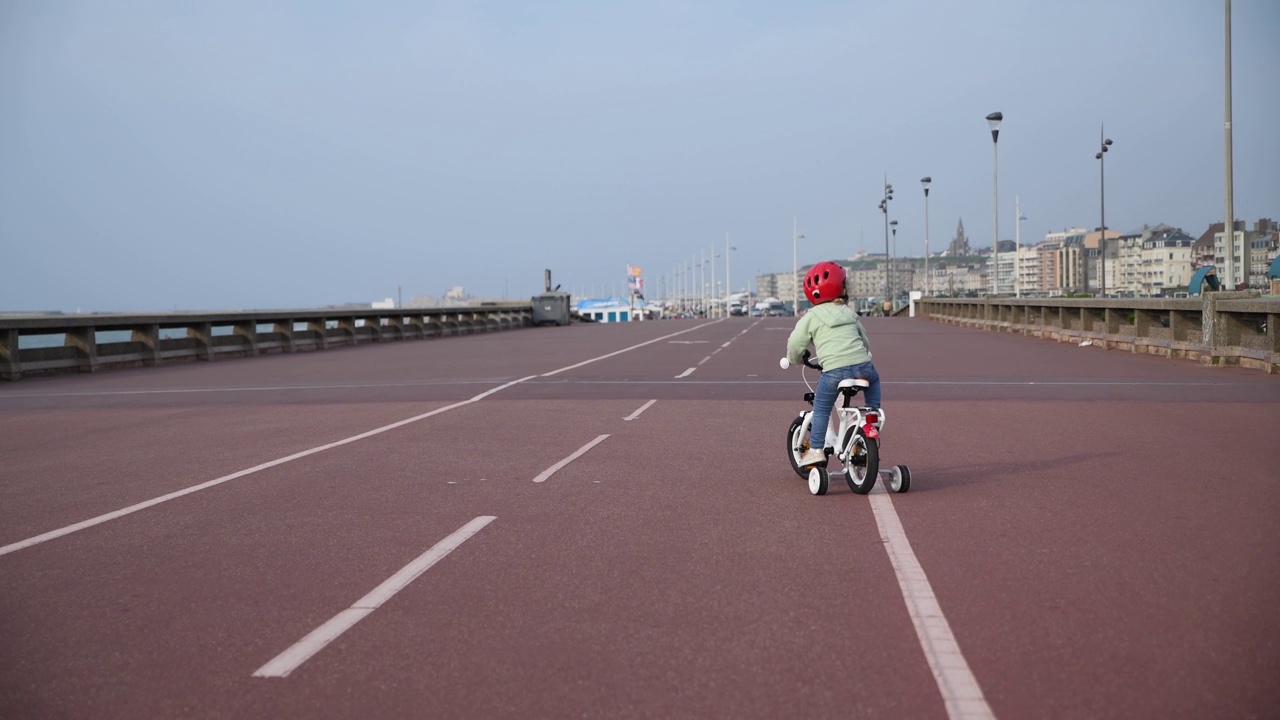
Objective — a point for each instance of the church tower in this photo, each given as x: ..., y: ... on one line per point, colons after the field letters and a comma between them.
x: 959, y: 246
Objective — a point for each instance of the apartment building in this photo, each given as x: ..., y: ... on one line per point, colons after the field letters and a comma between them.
x: 1068, y: 251
x: 1265, y: 248
x: 960, y: 276
x: 866, y: 277
x: 1095, y: 247
x: 1168, y: 259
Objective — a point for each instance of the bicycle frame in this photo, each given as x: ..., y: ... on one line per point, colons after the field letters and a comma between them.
x: 843, y: 417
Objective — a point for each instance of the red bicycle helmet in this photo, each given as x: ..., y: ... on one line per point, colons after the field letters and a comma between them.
x: 824, y: 282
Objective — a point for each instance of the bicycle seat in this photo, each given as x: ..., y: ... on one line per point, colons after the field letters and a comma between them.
x: 859, y: 383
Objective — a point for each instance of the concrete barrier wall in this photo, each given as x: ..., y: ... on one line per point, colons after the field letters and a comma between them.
x: 160, y: 338
x: 1222, y: 328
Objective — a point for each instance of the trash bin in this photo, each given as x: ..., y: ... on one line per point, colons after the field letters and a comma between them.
x: 551, y: 307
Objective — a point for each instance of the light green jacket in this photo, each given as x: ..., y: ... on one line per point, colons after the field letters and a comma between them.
x: 835, y: 333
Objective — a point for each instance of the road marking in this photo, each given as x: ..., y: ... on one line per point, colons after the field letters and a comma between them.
x: 686, y: 373
x: 976, y: 383
x: 703, y: 360
x: 687, y: 342
x: 633, y: 347
x: 579, y: 453
x: 301, y: 651
x: 246, y: 388
x: 239, y: 474
x: 643, y: 407
x: 960, y: 692
x: 53, y: 534
x: 727, y: 344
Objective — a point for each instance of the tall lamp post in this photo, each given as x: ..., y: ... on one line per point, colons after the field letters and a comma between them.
x: 714, y: 255
x: 1101, y: 157
x: 925, y: 182
x: 795, y: 271
x: 702, y: 284
x: 1017, y: 247
x: 884, y: 209
x: 1229, y: 224
x: 893, y: 262
x: 728, y: 286
x: 993, y: 121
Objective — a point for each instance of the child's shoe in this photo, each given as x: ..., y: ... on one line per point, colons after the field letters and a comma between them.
x: 812, y: 456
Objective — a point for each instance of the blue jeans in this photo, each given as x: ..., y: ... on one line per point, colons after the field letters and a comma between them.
x: 824, y: 398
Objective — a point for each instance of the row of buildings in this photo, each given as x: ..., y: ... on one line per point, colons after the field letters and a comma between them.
x: 1153, y: 261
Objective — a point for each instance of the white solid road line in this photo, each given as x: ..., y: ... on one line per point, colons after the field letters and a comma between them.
x: 960, y: 692
x: 301, y: 651
x: 643, y: 407
x: 633, y: 347
x: 580, y: 452
x: 246, y: 388
x: 52, y: 534
x: 256, y: 468
x: 686, y: 373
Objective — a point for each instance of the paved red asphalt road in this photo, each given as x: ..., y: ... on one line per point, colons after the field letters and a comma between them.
x: 1098, y: 528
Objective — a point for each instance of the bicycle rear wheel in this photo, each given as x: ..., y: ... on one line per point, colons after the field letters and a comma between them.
x: 861, y: 461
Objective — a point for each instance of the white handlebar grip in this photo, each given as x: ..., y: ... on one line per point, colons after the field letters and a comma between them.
x: 784, y: 363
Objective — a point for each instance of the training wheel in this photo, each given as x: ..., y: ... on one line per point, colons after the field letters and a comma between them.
x: 818, y: 480
x: 900, y: 479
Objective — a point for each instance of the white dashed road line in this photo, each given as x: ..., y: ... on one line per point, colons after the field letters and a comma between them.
x: 542, y: 477
x: 301, y: 651
x: 642, y: 408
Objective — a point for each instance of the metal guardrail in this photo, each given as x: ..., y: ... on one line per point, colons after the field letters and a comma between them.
x: 164, y: 337
x: 1220, y: 328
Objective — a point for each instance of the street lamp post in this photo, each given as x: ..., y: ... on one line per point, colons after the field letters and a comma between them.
x: 713, y: 277
x: 728, y: 286
x: 993, y: 121
x: 702, y: 283
x: 928, y: 282
x: 884, y: 209
x: 1101, y: 157
x: 1229, y: 223
x: 893, y: 261
x: 1017, y: 248
x: 795, y: 270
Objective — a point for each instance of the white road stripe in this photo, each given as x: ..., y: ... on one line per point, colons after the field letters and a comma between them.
x: 975, y: 383
x: 579, y: 453
x: 643, y: 407
x: 301, y: 651
x: 246, y: 388
x: 633, y: 347
x: 703, y: 360
x: 235, y: 475
x: 960, y: 692
x: 52, y: 534
x: 686, y: 373
x: 727, y: 344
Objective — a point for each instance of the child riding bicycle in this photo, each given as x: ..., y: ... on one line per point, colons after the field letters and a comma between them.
x: 841, y: 344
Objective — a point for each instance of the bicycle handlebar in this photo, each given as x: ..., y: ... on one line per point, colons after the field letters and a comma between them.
x: 806, y: 359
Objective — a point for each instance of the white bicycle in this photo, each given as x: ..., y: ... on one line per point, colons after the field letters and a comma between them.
x: 853, y: 437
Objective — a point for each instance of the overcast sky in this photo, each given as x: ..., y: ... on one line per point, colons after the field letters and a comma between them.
x: 225, y: 155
